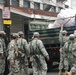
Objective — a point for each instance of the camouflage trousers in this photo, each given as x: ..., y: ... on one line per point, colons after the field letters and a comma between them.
x: 63, y: 62
x: 72, y: 63
x: 43, y: 70
x: 24, y: 69
x: 73, y: 69
x: 14, y: 69
x: 2, y: 65
x: 23, y: 65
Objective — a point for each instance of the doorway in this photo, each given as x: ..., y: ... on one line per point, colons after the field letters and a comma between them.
x: 26, y: 29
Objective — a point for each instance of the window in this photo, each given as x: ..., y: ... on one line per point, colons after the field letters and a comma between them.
x: 46, y: 7
x: 26, y: 3
x: 36, y: 5
x: 53, y: 9
x: 1, y: 1
x: 15, y: 2
x: 59, y: 8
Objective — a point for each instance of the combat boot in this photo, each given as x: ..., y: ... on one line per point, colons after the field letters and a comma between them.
x: 60, y: 72
x: 69, y: 73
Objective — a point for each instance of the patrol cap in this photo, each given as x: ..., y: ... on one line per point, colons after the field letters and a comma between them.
x: 20, y: 33
x: 64, y: 32
x: 71, y: 37
x: 14, y: 35
x: 36, y: 34
x: 2, y: 32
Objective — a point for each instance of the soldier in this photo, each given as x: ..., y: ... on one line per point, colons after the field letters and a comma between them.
x: 63, y: 61
x: 12, y: 56
x: 2, y: 53
x: 70, y: 53
x: 24, y: 52
x: 5, y: 39
x: 38, y: 54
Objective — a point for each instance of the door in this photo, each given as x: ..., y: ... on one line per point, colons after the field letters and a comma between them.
x: 26, y: 28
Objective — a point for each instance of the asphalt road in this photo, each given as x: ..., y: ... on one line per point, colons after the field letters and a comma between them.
x: 52, y: 73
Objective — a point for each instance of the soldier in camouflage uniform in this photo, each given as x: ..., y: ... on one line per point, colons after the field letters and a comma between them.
x: 12, y: 56
x: 63, y: 61
x: 38, y: 54
x: 2, y: 53
x: 24, y: 53
x: 70, y: 53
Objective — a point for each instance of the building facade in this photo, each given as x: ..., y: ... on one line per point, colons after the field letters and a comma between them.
x: 23, y: 11
x: 73, y: 4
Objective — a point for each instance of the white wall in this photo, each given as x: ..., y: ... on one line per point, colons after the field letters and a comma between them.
x: 73, y: 4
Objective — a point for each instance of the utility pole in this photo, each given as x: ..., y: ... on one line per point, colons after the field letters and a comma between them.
x: 6, y: 18
x: 6, y: 27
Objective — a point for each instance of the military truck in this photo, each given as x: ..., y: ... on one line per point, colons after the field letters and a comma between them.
x: 50, y: 38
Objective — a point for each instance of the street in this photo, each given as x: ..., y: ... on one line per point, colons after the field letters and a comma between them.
x: 52, y: 73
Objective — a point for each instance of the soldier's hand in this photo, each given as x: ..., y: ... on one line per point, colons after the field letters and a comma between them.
x: 16, y: 53
x: 30, y: 60
x: 12, y: 63
x: 48, y: 58
x: 20, y: 52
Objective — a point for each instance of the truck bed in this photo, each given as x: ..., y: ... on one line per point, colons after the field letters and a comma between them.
x: 51, y: 36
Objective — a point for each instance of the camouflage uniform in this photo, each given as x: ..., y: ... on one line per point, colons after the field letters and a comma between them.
x: 2, y: 58
x: 12, y: 57
x: 23, y: 57
x: 63, y: 61
x: 38, y: 54
x: 70, y: 51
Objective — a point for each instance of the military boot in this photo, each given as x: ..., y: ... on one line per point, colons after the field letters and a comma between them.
x: 69, y: 73
x: 60, y: 72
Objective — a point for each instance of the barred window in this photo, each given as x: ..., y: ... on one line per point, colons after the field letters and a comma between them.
x: 26, y: 3
x: 46, y: 7
x: 36, y: 5
x: 15, y: 2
